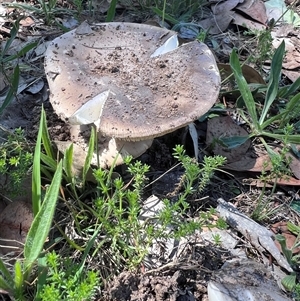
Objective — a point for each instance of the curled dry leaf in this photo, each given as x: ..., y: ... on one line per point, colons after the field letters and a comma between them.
x: 15, y: 221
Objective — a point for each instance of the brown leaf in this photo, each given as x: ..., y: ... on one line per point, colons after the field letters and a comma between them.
x: 219, y: 127
x: 222, y: 16
x: 255, y: 9
x: 250, y: 74
x: 294, y: 165
x: 248, y: 163
x: 291, y: 75
x: 248, y: 23
x: 281, y: 228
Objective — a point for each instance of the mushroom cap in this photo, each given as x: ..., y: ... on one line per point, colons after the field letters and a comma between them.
x: 131, y: 80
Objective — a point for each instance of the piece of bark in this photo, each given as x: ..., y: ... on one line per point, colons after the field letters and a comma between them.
x: 260, y: 237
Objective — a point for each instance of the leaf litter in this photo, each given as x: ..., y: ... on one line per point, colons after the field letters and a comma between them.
x: 224, y: 14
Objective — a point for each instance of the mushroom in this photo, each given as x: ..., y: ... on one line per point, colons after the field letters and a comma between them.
x: 132, y: 81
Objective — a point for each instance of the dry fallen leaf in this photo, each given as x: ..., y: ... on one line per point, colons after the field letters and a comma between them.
x: 250, y: 74
x: 240, y: 20
x: 281, y: 228
x: 221, y: 127
x: 247, y: 13
x: 250, y: 163
x: 255, y: 9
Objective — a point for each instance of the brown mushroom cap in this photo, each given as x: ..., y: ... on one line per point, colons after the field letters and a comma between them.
x: 131, y: 92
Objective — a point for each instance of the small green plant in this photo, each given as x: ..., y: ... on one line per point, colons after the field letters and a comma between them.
x: 9, y: 66
x: 16, y: 282
x: 194, y: 172
x: 176, y: 11
x: 47, y: 9
x: 221, y: 223
x: 262, y: 123
x: 263, y: 49
x: 62, y: 284
x: 15, y: 162
x: 217, y: 239
x: 278, y: 169
x: 117, y: 210
x: 290, y: 281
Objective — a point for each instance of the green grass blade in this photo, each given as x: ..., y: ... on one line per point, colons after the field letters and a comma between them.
x: 41, y: 224
x: 164, y: 15
x: 289, y: 90
x: 36, y: 171
x: 292, y: 110
x: 68, y: 163
x: 243, y: 87
x: 49, y: 162
x: 86, y: 253
x: 274, y: 81
x: 233, y: 142
x: 13, y: 33
x: 20, y: 53
x: 6, y: 274
x: 46, y: 138
x: 269, y: 121
x: 111, y: 11
x: 293, y: 228
x: 12, y: 90
x: 5, y: 285
x: 89, y: 156
x: 290, y: 138
x: 19, y: 279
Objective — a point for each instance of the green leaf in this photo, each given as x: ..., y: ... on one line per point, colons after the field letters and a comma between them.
x: 68, y: 163
x: 289, y: 282
x: 89, y: 156
x: 20, y: 53
x: 286, y: 91
x: 49, y: 162
x: 111, y: 11
x: 5, y: 285
x: 164, y: 15
x: 19, y: 279
x: 13, y: 33
x: 243, y: 87
x: 6, y: 274
x: 270, y: 120
x: 46, y: 138
x: 273, y: 84
x: 12, y: 90
x: 292, y: 110
x: 233, y: 142
x: 290, y: 138
x: 36, y: 171
x: 285, y: 250
x: 41, y: 224
x: 293, y: 228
